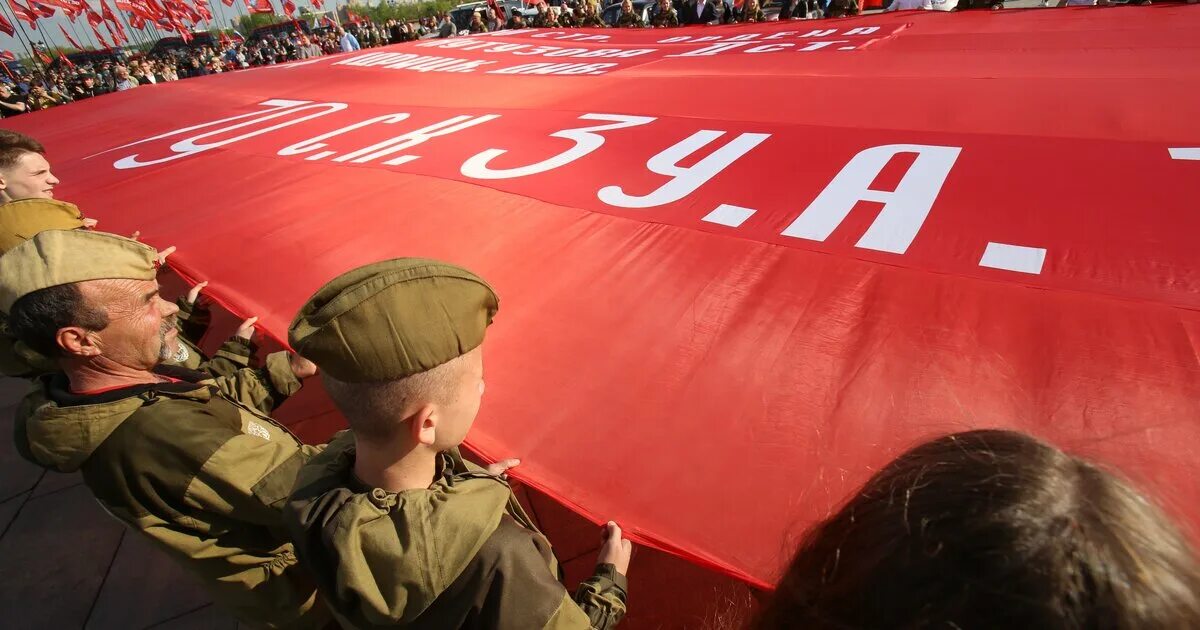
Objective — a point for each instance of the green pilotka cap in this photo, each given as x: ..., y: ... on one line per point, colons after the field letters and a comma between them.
x: 393, y: 319
x: 21, y: 220
x: 57, y: 257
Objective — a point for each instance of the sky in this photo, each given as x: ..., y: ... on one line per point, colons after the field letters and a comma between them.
x: 50, y: 34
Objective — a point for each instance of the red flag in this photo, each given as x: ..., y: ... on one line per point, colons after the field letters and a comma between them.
x: 289, y: 8
x: 70, y: 8
x: 111, y: 18
x: 70, y: 40
x: 93, y: 18
x: 6, y: 27
x: 7, y: 56
x: 137, y: 21
x: 259, y: 6
x: 66, y: 62
x: 328, y: 22
x: 99, y: 37
x: 41, y: 10
x: 318, y: 4
x: 23, y: 13
x: 228, y: 3
x: 202, y: 9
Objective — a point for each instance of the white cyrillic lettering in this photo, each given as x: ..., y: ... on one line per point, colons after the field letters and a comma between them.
x: 192, y: 146
x: 769, y: 48
x: 314, y: 143
x: 684, y: 181
x: 819, y: 45
x: 820, y: 32
x: 1185, y: 153
x: 412, y: 139
x: 586, y: 140
x: 710, y: 50
x: 904, y: 209
x: 862, y: 30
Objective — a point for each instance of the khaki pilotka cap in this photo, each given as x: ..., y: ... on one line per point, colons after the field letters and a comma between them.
x: 21, y: 220
x: 393, y: 319
x: 57, y: 257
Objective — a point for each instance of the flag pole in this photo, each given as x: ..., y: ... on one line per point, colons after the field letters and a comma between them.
x: 26, y: 40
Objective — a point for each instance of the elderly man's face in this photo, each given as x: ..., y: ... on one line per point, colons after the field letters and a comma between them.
x: 28, y: 178
x: 141, y: 330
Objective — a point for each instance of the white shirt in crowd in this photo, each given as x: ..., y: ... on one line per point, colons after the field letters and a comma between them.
x: 909, y: 5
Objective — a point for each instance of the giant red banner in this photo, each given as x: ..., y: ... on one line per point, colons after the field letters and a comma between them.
x: 740, y: 267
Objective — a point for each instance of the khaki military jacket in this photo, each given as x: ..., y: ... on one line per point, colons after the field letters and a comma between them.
x: 460, y: 554
x: 197, y: 466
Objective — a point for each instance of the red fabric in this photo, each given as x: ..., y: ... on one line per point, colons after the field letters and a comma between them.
x: 714, y: 388
x: 289, y: 8
x: 70, y: 40
x: 259, y: 6
x: 93, y: 18
x: 318, y: 4
x: 99, y: 38
x: 68, y: 7
x: 23, y: 13
x: 42, y: 10
x: 114, y: 26
x: 7, y: 55
x: 6, y: 27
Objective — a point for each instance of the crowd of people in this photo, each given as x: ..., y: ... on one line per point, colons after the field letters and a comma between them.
x: 387, y: 525
x: 59, y: 83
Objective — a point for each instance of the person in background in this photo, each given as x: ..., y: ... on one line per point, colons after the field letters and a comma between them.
x: 491, y: 21
x: 751, y: 12
x: 122, y: 80
x: 446, y: 28
x: 590, y: 17
x: 40, y: 99
x: 398, y: 529
x: 664, y: 15
x: 87, y: 88
x: 476, y: 25
x: 990, y: 529
x: 10, y: 103
x: 347, y: 42
x: 628, y: 18
x: 307, y: 49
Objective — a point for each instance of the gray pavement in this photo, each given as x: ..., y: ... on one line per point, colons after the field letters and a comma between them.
x: 67, y: 565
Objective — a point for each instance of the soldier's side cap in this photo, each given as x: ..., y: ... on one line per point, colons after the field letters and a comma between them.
x: 21, y: 220
x: 57, y: 257
x: 393, y: 319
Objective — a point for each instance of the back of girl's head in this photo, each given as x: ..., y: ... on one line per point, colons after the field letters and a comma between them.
x: 990, y: 529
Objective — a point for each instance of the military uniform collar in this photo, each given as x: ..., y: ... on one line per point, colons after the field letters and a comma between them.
x: 185, y: 383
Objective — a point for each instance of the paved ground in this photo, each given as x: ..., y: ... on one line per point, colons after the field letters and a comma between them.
x: 66, y: 564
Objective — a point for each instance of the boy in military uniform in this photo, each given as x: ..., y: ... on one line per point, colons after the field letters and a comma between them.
x: 191, y: 461
x: 398, y: 530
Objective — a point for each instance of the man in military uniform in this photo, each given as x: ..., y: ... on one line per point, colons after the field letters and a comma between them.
x: 666, y: 16
x: 628, y: 18
x: 566, y: 17
x: 21, y: 220
x: 542, y: 19
x: 191, y: 461
x: 398, y: 530
x: 590, y: 18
